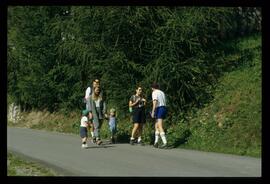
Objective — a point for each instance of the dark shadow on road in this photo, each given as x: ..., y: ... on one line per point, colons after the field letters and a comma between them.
x: 100, y: 146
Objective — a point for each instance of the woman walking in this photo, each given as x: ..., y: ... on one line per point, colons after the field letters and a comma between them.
x: 137, y: 103
x: 98, y: 109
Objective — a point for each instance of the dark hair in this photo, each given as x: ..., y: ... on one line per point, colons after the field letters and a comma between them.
x: 139, y: 87
x: 155, y: 85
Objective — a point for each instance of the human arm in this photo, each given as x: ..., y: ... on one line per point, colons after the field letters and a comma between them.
x: 153, y: 108
x: 144, y: 101
x: 90, y: 116
x: 131, y: 103
x: 104, y: 110
x: 155, y: 103
x: 87, y: 93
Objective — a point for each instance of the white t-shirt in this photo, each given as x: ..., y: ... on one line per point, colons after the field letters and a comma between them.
x: 84, y: 121
x: 97, y: 102
x: 159, y: 96
x: 87, y: 93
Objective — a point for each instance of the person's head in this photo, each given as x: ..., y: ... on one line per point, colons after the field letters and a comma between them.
x: 155, y: 86
x: 112, y: 112
x: 96, y: 83
x: 139, y: 90
x: 85, y: 112
x: 97, y: 90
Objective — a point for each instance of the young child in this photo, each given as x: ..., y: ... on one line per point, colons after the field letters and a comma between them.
x: 112, y: 125
x: 83, y: 127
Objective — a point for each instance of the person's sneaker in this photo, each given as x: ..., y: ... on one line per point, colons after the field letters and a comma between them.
x: 132, y: 141
x: 164, y: 146
x: 84, y: 145
x: 155, y: 145
x: 94, y: 140
x: 140, y: 143
x: 99, y: 142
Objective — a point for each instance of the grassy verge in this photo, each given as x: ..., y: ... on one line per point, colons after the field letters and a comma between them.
x: 231, y: 123
x: 19, y: 167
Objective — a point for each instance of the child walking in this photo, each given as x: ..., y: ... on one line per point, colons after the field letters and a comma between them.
x: 83, y: 128
x: 112, y: 125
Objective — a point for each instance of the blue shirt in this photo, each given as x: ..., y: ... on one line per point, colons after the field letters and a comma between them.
x: 112, y: 121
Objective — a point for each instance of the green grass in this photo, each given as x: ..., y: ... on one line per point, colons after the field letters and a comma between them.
x: 16, y: 166
x: 231, y: 123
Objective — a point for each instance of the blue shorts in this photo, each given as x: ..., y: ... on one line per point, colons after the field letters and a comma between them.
x: 83, y: 132
x: 161, y: 112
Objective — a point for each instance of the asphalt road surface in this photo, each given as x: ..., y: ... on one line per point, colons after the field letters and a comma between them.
x: 63, y: 153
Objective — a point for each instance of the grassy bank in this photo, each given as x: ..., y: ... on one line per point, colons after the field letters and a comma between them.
x: 17, y: 166
x: 231, y: 123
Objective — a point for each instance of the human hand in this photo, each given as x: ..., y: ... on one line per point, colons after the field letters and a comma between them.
x: 90, y: 115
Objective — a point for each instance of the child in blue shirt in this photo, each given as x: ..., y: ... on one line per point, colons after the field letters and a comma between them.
x: 112, y: 125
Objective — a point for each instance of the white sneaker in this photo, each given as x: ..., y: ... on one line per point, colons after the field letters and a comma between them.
x: 84, y: 145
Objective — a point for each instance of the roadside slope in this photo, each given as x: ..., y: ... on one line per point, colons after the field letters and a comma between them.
x: 231, y: 123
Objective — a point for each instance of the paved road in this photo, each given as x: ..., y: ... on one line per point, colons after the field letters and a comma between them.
x: 63, y: 153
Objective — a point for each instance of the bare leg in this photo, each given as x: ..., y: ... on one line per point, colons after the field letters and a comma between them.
x: 159, y: 125
x: 135, y: 127
x: 140, y: 130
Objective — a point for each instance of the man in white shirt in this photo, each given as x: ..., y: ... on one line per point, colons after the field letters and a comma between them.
x: 159, y: 112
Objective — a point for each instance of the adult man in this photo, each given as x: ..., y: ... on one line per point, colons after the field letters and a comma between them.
x: 159, y: 112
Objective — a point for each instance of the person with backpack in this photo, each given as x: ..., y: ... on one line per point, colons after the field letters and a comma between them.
x: 98, y: 108
x: 159, y: 112
x: 88, y: 94
x: 137, y: 103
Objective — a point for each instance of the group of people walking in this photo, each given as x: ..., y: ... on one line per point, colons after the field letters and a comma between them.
x: 96, y: 111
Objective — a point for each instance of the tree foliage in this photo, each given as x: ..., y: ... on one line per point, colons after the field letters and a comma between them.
x: 54, y: 52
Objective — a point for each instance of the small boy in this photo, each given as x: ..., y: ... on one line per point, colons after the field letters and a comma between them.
x: 112, y: 125
x: 83, y: 127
